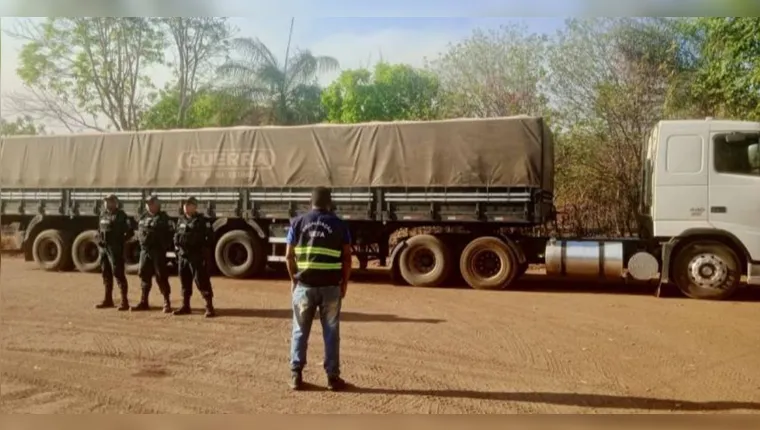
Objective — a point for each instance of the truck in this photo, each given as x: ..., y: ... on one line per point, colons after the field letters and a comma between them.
x: 456, y: 196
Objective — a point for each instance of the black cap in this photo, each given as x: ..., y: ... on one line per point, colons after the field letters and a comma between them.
x: 191, y: 201
x: 111, y: 198
x: 151, y: 198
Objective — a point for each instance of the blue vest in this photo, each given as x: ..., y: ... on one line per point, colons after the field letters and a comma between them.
x: 318, y: 239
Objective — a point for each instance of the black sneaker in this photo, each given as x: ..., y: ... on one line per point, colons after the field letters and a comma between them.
x: 335, y: 383
x: 296, y: 381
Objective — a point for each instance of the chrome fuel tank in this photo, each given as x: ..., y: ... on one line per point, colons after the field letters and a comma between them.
x: 584, y: 259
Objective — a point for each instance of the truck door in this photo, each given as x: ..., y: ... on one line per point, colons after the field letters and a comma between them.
x: 735, y: 187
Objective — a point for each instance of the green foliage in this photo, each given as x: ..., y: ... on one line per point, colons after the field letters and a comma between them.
x: 82, y: 68
x: 288, y: 90
x: 494, y: 73
x: 392, y: 92
x: 23, y: 125
x: 726, y: 77
x: 197, y: 42
x: 208, y: 109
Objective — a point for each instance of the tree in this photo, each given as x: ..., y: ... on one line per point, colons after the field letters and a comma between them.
x: 610, y: 81
x: 79, y: 71
x: 283, y: 88
x: 726, y: 74
x: 196, y: 43
x: 392, y: 92
x: 23, y: 125
x: 209, y: 108
x: 494, y: 73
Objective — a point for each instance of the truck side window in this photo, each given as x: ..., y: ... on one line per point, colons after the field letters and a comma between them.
x: 737, y: 156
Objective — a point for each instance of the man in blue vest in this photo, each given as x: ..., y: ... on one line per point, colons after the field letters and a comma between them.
x: 319, y: 263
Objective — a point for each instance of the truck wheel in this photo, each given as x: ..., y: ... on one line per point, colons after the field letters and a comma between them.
x: 487, y: 263
x: 240, y: 255
x: 51, y: 250
x: 425, y: 262
x: 132, y: 257
x: 85, y: 253
x: 707, y: 270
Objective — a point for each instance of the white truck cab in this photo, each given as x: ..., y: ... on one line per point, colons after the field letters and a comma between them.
x: 701, y: 192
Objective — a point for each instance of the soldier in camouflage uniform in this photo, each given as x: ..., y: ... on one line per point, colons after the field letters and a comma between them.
x: 154, y: 231
x: 192, y: 237
x: 114, y: 230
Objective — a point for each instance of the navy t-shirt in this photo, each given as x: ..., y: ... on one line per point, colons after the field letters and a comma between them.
x: 318, y: 238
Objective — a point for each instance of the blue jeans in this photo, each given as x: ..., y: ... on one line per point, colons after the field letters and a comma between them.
x: 306, y: 301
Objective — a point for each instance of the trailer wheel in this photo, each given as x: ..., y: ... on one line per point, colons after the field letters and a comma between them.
x: 85, y: 253
x: 487, y: 263
x: 707, y: 270
x: 425, y: 261
x: 240, y: 255
x: 132, y: 257
x: 51, y: 250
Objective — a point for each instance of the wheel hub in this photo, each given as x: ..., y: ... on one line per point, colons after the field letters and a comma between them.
x: 423, y: 260
x: 708, y: 271
x: 486, y: 264
x: 50, y: 251
x: 237, y: 254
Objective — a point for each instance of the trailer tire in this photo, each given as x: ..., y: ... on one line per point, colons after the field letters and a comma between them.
x: 419, y: 251
x: 85, y: 253
x: 707, y: 270
x: 132, y: 257
x: 51, y: 250
x: 489, y: 251
x: 238, y: 241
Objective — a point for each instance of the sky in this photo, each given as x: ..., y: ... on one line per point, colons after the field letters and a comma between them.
x: 357, y: 34
x: 354, y: 42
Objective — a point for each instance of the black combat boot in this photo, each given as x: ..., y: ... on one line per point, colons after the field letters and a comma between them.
x: 124, y: 305
x: 107, y: 299
x: 185, y: 309
x: 143, y: 305
x: 106, y: 303
x: 210, y: 312
x: 167, y: 305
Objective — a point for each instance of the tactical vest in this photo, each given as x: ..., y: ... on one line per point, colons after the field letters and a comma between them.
x: 318, y: 249
x: 192, y: 235
x: 112, y: 227
x: 152, y: 230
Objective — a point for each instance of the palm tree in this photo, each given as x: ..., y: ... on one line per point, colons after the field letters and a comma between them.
x: 289, y: 90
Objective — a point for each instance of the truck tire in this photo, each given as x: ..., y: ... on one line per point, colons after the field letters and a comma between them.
x: 51, y: 250
x: 707, y: 270
x: 487, y: 263
x: 239, y: 254
x: 132, y: 257
x: 85, y: 253
x: 425, y: 261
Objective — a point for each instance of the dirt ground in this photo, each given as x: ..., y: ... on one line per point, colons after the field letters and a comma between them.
x: 405, y: 350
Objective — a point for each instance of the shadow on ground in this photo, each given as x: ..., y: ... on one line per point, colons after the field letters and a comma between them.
x: 344, y: 316
x: 598, y: 401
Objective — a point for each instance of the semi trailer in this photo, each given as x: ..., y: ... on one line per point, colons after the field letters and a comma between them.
x: 456, y: 195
